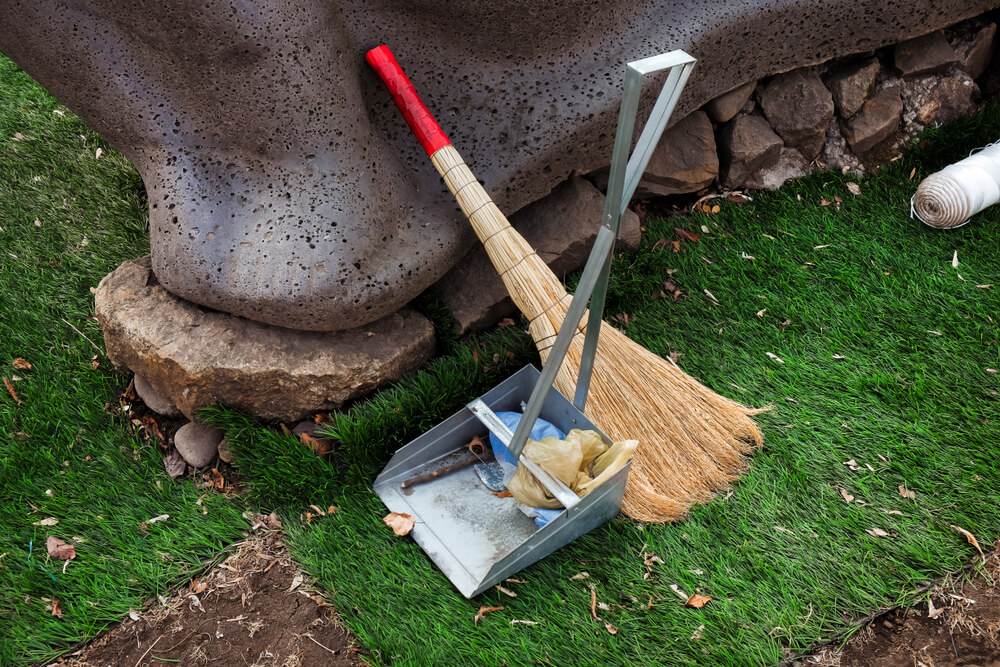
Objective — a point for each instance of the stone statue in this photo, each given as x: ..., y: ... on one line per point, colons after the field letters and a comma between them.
x: 282, y: 185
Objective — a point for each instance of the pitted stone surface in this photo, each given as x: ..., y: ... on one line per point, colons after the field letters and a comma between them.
x: 283, y: 185
x: 196, y: 357
x: 923, y: 55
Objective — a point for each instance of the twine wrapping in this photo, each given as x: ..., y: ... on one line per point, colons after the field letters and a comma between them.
x: 948, y: 198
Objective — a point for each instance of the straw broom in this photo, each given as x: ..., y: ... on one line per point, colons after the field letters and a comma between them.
x: 692, y: 441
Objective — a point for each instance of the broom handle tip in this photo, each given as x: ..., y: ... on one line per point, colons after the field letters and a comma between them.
x: 421, y: 122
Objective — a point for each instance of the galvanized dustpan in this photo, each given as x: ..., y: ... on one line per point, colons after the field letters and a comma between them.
x: 476, y: 537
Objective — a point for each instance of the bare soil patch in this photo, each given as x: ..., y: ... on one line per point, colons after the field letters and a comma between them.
x: 254, y: 608
x: 958, y: 626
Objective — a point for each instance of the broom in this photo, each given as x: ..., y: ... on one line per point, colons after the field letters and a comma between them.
x: 692, y: 441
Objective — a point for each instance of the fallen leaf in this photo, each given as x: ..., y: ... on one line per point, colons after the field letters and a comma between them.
x: 511, y: 580
x: 55, y: 608
x: 503, y: 494
x: 992, y: 371
x: 676, y: 245
x: 972, y: 540
x: 711, y: 296
x: 593, y: 603
x: 824, y: 202
x: 848, y: 498
x: 58, y: 549
x: 852, y: 464
x: 580, y: 575
x: 51, y: 521
x: 954, y: 260
x: 697, y: 601
x: 820, y: 247
x: 776, y: 357
x: 895, y: 512
x: 197, y: 587
x: 838, y: 357
x: 21, y: 364
x: 320, y: 446
x: 483, y: 611
x: 877, y: 532
x: 98, y: 153
x: 516, y: 621
x: 174, y: 464
x: 506, y: 591
x: 686, y: 235
x: 987, y: 286
x: 681, y: 594
x: 936, y: 333
x: 10, y: 390
x: 162, y: 517
x: 697, y: 633
x: 505, y: 322
x: 853, y: 188
x: 907, y: 493
x: 760, y: 313
x: 610, y: 628
x: 296, y: 582
x: 746, y: 256
x: 400, y: 523
x: 704, y: 229
x: 932, y: 612
x: 913, y: 173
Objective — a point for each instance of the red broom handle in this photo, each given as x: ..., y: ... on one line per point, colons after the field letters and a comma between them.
x: 420, y: 120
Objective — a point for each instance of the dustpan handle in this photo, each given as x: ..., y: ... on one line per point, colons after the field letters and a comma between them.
x: 624, y: 178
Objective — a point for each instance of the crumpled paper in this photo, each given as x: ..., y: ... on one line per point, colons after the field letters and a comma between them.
x: 582, y: 462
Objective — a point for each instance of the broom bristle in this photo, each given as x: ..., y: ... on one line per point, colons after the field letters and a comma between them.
x: 692, y: 441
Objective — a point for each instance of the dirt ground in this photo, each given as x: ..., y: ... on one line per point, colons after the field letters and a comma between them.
x: 958, y: 626
x: 253, y: 609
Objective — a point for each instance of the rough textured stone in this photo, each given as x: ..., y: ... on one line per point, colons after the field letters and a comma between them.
x: 930, y: 53
x: 852, y: 86
x: 878, y: 118
x: 153, y: 399
x: 283, y: 185
x: 790, y: 164
x: 562, y: 228
x: 937, y: 98
x: 198, y: 357
x: 799, y: 107
x: 747, y: 145
x: 837, y: 154
x: 975, y: 56
x: 723, y: 108
x: 198, y: 444
x: 684, y: 161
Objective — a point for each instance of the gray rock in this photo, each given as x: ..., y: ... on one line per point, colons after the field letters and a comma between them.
x: 684, y: 161
x: 975, y: 56
x: 747, y: 145
x: 836, y: 153
x: 198, y: 444
x: 937, y: 98
x: 930, y: 53
x: 878, y: 118
x: 562, y: 227
x: 198, y: 357
x: 799, y: 107
x: 790, y: 164
x: 723, y: 108
x: 852, y: 86
x: 153, y: 399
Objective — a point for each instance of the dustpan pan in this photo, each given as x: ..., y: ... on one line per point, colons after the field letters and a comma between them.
x: 475, y: 536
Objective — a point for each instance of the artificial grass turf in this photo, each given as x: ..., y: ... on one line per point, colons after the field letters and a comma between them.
x: 61, y: 455
x: 883, y: 350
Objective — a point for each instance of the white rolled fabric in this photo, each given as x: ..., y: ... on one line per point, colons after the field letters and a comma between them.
x: 948, y: 198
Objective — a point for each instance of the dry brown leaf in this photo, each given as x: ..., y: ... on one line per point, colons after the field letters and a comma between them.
x: 511, y: 580
x: 913, y: 173
x: 51, y: 521
x: 853, y: 188
x: 516, y: 621
x: 506, y: 591
x: 760, y: 313
x: 697, y: 601
x: 483, y: 611
x: 593, y: 604
x: 55, y: 608
x: 697, y: 633
x: 580, y: 575
x: 711, y: 296
x: 610, y: 628
x: 320, y: 446
x: 907, y: 493
x: 197, y: 587
x: 775, y: 357
x: 505, y: 322
x: 972, y: 540
x: 954, y: 260
x: 58, y: 549
x: 21, y: 364
x: 848, y: 498
x: 932, y: 612
x: 400, y: 523
x: 503, y: 494
x: 10, y: 390
x: 686, y: 235
x: 852, y: 464
x: 877, y: 532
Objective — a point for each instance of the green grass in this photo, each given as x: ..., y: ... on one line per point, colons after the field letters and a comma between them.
x: 787, y: 562
x: 61, y: 454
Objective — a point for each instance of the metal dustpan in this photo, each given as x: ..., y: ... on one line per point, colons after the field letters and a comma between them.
x: 475, y: 536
